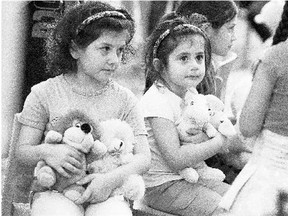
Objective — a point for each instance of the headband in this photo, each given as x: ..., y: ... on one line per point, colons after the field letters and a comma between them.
x: 180, y: 27
x: 99, y: 16
x: 198, y: 21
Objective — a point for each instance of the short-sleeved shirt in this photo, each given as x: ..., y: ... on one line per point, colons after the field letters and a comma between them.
x: 56, y: 96
x: 275, y: 61
x: 160, y: 102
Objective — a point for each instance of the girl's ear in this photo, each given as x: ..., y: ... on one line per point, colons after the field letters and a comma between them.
x: 208, y: 30
x: 74, y: 50
x: 157, y: 64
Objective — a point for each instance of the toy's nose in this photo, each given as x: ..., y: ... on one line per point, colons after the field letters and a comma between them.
x: 86, y: 128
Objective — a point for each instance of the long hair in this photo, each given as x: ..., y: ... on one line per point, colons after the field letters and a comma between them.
x: 217, y: 12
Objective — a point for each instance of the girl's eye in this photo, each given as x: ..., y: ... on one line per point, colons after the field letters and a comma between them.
x: 106, y: 48
x: 184, y: 58
x: 120, y: 51
x: 200, y: 58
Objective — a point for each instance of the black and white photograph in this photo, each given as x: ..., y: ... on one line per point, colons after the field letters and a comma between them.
x: 98, y: 98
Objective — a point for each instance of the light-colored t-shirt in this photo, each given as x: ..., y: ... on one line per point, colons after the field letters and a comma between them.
x: 56, y: 96
x: 158, y: 101
x: 275, y: 61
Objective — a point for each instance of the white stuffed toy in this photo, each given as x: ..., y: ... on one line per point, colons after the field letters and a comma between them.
x: 119, y: 139
x: 195, y: 118
x: 74, y: 129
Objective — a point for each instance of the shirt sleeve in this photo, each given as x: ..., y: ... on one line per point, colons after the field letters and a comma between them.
x: 155, y: 104
x: 34, y: 113
x: 133, y: 115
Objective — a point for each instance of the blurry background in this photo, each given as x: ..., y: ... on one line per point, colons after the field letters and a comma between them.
x: 25, y: 24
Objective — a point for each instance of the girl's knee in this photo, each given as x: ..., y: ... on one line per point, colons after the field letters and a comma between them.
x: 53, y: 203
x: 112, y: 206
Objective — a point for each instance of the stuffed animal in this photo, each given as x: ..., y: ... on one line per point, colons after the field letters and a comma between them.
x: 195, y: 118
x: 74, y: 129
x: 118, y: 137
x: 218, y: 118
x: 243, y: 147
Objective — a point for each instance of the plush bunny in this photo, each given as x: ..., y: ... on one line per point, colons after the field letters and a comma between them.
x: 118, y: 137
x: 74, y: 129
x: 195, y: 118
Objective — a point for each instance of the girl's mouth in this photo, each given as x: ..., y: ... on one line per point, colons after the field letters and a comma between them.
x: 193, y: 77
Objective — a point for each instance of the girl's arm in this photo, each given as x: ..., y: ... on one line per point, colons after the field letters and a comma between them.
x: 253, y: 113
x: 58, y: 156
x: 179, y: 156
x: 102, y: 185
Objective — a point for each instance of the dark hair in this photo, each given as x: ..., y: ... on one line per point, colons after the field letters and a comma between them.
x: 58, y: 57
x: 168, y: 44
x: 217, y: 12
x: 281, y: 32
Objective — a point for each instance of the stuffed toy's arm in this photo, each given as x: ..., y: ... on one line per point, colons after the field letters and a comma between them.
x: 53, y: 137
x: 99, y: 148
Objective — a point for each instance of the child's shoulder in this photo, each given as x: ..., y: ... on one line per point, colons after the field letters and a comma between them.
x: 155, y: 96
x: 48, y: 85
x: 121, y: 91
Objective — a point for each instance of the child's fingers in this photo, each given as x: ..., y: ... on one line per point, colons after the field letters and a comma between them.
x: 75, y: 163
x: 85, y: 196
x: 85, y: 180
x: 62, y: 172
x: 71, y: 168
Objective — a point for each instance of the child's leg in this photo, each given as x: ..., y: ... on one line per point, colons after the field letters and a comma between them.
x: 111, y: 207
x: 183, y: 198
x: 52, y: 203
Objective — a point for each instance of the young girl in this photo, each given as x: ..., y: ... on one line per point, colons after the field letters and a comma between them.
x: 85, y: 50
x: 222, y: 16
x: 177, y: 58
x: 257, y: 188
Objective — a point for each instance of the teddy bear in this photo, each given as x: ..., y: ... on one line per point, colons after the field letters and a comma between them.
x: 218, y: 118
x: 118, y: 137
x: 195, y: 118
x: 77, y: 130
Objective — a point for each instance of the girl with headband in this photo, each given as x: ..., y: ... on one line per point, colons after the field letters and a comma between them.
x: 83, y: 52
x: 177, y: 59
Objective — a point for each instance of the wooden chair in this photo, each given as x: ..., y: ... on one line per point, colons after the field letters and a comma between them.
x: 17, y: 180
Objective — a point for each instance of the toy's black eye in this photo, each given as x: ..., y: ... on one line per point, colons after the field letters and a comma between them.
x: 209, y: 109
x: 192, y: 103
x: 121, y: 144
x: 78, y: 125
x: 221, y: 121
x: 86, y: 128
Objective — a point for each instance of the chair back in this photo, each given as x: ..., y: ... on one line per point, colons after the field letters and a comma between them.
x: 17, y: 179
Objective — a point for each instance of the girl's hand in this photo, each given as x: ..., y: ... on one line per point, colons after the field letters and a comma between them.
x: 223, y: 141
x: 98, y: 190
x: 198, y: 138
x: 63, y: 158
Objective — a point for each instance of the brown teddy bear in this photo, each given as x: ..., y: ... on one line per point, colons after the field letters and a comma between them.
x: 74, y: 129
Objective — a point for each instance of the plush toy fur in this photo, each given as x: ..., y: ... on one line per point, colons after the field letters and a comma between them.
x: 118, y: 137
x: 194, y: 119
x: 74, y: 129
